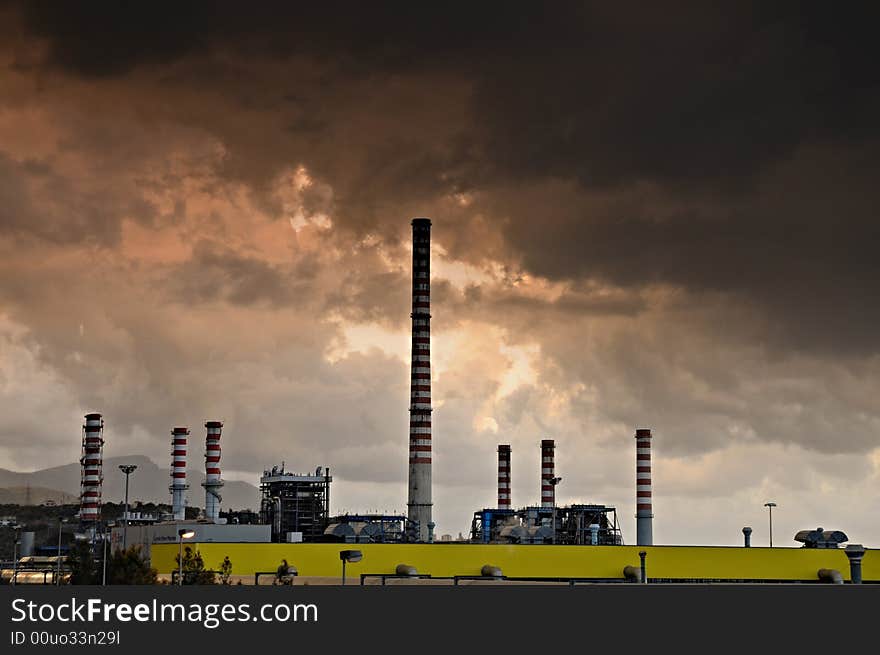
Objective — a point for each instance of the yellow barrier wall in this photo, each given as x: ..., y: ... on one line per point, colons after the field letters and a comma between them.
x: 546, y: 561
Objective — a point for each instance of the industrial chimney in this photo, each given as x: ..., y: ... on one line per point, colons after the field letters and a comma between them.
x: 212, y: 481
x: 92, y: 476
x: 644, y: 514
x: 548, y: 479
x: 178, y: 473
x: 419, y: 503
x: 503, y: 476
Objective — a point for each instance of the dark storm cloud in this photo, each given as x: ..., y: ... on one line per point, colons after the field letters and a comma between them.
x: 705, y: 103
x: 668, y: 213
x: 37, y: 201
x: 674, y: 92
x: 216, y: 273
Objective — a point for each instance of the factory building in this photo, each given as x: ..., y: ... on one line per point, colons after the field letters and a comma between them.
x: 296, y: 506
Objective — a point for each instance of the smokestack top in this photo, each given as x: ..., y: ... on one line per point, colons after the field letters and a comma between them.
x: 180, y: 431
x: 503, y: 448
x: 643, y: 432
x: 214, y: 424
x: 421, y: 222
x: 93, y: 417
x: 548, y: 443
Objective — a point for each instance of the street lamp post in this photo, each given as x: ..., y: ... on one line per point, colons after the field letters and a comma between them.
x: 104, y: 557
x: 127, y: 469
x: 58, y: 552
x: 183, y: 533
x: 770, y: 507
x: 349, y: 556
x: 16, y: 542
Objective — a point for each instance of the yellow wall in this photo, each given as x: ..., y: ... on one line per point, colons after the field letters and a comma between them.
x: 441, y: 560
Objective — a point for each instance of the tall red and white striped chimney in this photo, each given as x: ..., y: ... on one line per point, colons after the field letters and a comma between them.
x: 644, y: 509
x: 92, y: 477
x: 419, y: 500
x: 503, y: 476
x: 548, y: 479
x: 178, y: 473
x: 212, y: 481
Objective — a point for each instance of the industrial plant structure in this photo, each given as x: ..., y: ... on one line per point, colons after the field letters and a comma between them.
x: 366, y: 528
x: 295, y: 508
x: 545, y: 524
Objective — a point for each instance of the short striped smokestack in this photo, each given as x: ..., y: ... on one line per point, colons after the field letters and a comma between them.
x: 419, y: 501
x: 212, y: 481
x: 178, y: 473
x: 644, y: 510
x: 503, y: 476
x: 548, y: 465
x: 92, y: 476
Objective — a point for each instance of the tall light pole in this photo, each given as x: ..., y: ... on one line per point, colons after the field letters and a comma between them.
x: 770, y: 507
x: 183, y: 533
x: 127, y: 469
x: 17, y: 529
x: 104, y: 557
x: 58, y: 552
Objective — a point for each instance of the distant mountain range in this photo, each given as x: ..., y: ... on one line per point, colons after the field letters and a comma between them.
x: 149, y: 483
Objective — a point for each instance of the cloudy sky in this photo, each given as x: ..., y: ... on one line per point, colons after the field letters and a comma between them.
x: 645, y: 217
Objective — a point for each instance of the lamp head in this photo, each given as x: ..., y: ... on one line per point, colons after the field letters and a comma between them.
x: 185, y: 533
x: 351, y: 556
x: 128, y: 468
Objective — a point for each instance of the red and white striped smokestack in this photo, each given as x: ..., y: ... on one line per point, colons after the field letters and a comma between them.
x: 503, y: 476
x: 212, y: 481
x: 419, y: 501
x: 92, y: 477
x: 178, y: 473
x: 548, y: 479
x: 644, y: 509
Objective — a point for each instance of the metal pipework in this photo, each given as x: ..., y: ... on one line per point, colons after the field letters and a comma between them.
x: 644, y: 571
x: 419, y: 500
x: 747, y: 537
x: 406, y: 569
x: 489, y: 571
x: 855, y: 553
x: 831, y: 576
x: 644, y: 507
